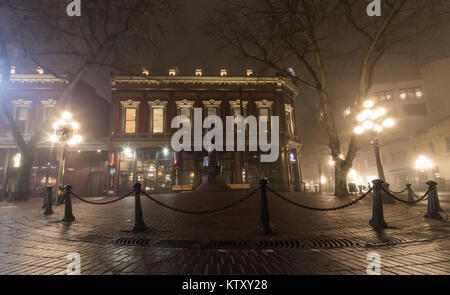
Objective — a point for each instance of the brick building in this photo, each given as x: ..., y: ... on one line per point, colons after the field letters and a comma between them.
x: 31, y: 98
x: 142, y: 109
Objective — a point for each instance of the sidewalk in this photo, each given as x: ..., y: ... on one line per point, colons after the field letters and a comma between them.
x: 308, y: 242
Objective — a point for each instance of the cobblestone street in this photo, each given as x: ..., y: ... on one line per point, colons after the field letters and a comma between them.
x: 307, y: 242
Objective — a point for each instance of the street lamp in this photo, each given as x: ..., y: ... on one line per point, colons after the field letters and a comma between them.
x: 422, y: 164
x: 371, y: 120
x: 65, y: 133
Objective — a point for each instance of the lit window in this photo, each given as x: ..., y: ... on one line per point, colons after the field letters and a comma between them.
x: 157, y: 113
x: 264, y: 111
x: 158, y: 120
x: 130, y: 120
x: 419, y: 92
x: 212, y: 111
x: 129, y: 116
x: 186, y: 112
x: 21, y: 114
x: 403, y: 95
x: 212, y: 108
x: 290, y: 119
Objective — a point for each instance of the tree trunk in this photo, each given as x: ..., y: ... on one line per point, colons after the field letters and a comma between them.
x: 23, y: 180
x: 340, y: 184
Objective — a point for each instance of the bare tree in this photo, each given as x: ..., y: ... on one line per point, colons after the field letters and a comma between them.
x: 111, y: 33
x: 308, y: 34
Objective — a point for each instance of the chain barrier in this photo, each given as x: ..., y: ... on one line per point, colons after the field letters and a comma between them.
x: 407, y: 202
x: 321, y: 209
x: 398, y: 193
x: 201, y: 212
x: 103, y: 203
x: 418, y: 197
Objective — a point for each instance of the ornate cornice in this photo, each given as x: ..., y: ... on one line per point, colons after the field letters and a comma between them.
x: 203, y: 83
x: 48, y: 103
x: 35, y: 78
x: 158, y: 103
x: 21, y: 102
x: 212, y: 103
x: 237, y: 104
x: 264, y: 104
x: 185, y: 103
x: 130, y: 103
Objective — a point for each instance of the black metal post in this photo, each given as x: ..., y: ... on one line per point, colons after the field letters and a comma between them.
x: 410, y: 193
x: 377, y: 220
x: 434, y: 206
x: 139, y: 224
x: 44, y: 205
x: 68, y: 215
x: 264, y: 227
x: 48, y: 201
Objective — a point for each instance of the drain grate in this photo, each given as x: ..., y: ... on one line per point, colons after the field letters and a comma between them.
x: 132, y: 242
x: 382, y: 241
x: 259, y: 245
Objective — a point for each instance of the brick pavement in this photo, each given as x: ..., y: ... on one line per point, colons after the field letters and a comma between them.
x: 31, y: 243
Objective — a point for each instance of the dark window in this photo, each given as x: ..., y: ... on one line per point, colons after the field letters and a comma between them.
x: 415, y: 110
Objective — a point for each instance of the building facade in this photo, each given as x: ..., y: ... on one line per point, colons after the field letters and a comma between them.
x: 421, y: 109
x: 31, y: 99
x: 142, y: 109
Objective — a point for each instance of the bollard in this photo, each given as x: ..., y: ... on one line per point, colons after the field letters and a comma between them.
x: 139, y: 224
x: 410, y: 193
x: 434, y: 206
x: 377, y: 220
x: 264, y: 227
x: 44, y: 205
x: 68, y: 215
x: 48, y: 201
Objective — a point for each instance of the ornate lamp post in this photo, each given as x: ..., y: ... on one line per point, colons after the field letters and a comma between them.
x: 371, y: 120
x: 65, y: 133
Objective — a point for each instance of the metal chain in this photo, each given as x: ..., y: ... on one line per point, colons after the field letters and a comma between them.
x: 103, y: 203
x: 320, y: 209
x: 417, y: 197
x: 406, y: 202
x: 201, y: 212
x: 398, y: 193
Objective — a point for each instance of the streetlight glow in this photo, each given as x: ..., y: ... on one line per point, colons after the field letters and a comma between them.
x: 388, y: 123
x: 367, y: 125
x: 378, y: 128
x: 66, y: 116
x: 359, y: 130
x: 369, y: 104
x: 423, y: 163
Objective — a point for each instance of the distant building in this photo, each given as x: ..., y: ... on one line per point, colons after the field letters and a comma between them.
x: 421, y: 109
x: 32, y: 97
